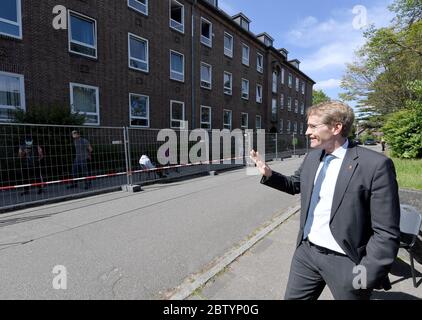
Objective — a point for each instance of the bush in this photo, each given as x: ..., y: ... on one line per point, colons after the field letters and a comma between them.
x: 403, y: 129
x: 49, y: 114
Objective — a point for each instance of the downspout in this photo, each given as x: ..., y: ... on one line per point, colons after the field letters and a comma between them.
x: 193, y: 82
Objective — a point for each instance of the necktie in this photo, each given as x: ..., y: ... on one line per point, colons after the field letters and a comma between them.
x: 315, y: 194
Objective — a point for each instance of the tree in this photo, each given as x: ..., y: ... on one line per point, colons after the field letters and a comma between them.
x: 319, y: 96
x: 390, y: 58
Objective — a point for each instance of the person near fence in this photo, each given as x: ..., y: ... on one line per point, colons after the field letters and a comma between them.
x: 31, y: 156
x: 83, y: 153
x: 145, y: 163
x: 349, y: 223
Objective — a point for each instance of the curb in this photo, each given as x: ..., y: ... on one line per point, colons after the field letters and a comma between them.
x: 195, y: 281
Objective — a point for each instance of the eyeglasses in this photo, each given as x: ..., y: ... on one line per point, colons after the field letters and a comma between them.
x: 314, y: 126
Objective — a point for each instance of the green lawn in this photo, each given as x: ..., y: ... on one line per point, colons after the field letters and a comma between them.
x: 409, y: 173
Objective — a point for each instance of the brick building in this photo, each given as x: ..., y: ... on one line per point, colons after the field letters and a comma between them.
x: 139, y: 63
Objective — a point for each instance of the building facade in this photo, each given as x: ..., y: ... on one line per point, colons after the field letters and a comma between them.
x: 149, y: 64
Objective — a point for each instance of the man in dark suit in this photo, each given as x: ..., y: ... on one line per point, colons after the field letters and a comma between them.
x: 350, y: 213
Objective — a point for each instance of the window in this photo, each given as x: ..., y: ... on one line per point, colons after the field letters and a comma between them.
x: 12, y: 94
x: 139, y: 110
x: 258, y: 122
x: 289, y: 104
x: 301, y: 128
x: 281, y: 126
x: 228, y: 83
x: 282, y: 101
x: 85, y: 100
x: 245, y: 89
x: 227, y: 119
x: 282, y: 75
x: 260, y: 63
x: 82, y: 35
x: 177, y: 114
x: 290, y: 80
x: 206, y: 32
x: 138, y: 53
x: 302, y: 108
x: 228, y: 44
x: 244, y: 123
x: 177, y: 16
x: 205, y: 117
x: 295, y: 127
x: 245, y: 54
x: 275, y: 81
x: 10, y: 18
x: 296, y: 106
x: 177, y: 66
x: 303, y: 87
x: 258, y: 93
x: 274, y: 109
x: 206, y: 75
x: 297, y: 84
x: 139, y: 5
x: 288, y: 126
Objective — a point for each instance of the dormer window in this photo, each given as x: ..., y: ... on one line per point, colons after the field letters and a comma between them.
x: 266, y: 39
x: 242, y: 21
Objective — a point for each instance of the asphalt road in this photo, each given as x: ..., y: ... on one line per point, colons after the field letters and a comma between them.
x: 133, y: 246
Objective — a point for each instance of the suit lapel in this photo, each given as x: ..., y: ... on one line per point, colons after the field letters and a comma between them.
x: 310, y: 176
x: 346, y: 172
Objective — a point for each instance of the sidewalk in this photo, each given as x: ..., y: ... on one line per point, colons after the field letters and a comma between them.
x: 261, y: 273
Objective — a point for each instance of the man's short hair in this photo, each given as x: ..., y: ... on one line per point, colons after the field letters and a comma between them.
x: 75, y: 132
x: 333, y: 112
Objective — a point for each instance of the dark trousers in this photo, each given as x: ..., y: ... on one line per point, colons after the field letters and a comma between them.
x: 31, y: 174
x: 313, y: 268
x: 79, y: 170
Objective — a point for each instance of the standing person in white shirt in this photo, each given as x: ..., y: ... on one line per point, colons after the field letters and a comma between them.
x: 350, y: 212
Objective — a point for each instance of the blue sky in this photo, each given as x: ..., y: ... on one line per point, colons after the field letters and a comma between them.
x: 322, y: 34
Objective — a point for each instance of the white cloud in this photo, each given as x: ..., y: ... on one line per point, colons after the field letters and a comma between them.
x: 331, y: 43
x: 328, y: 84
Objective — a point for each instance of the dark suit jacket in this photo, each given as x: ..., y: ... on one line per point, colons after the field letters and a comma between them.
x: 365, y: 214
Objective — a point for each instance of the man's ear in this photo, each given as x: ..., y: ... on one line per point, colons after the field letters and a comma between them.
x: 338, y: 127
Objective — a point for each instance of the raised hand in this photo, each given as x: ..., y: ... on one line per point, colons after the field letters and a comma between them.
x: 262, y: 167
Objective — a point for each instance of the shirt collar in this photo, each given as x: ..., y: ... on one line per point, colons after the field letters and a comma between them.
x: 341, y: 151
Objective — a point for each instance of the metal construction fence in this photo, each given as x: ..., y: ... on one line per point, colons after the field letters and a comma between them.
x: 46, y: 162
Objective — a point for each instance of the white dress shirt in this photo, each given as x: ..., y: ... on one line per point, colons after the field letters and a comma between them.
x: 320, y: 233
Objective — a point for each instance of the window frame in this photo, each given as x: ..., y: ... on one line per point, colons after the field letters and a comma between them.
x: 15, y: 23
x: 241, y: 120
x: 296, y: 106
x: 283, y: 75
x: 22, y: 106
x: 281, y: 101
x: 136, y: 9
x: 97, y: 101
x: 281, y: 124
x: 136, y: 59
x: 289, y: 103
x: 130, y: 110
x: 226, y: 89
x: 260, y: 68
x: 274, y: 83
x: 260, y: 100
x: 244, y: 62
x: 177, y: 22
x: 260, y: 122
x: 200, y: 76
x: 202, y: 37
x: 228, y: 52
x: 290, y: 80
x: 174, y: 120
x: 247, y: 81
x: 69, y: 33
x: 210, y: 113
x: 177, y: 72
x: 231, y: 119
